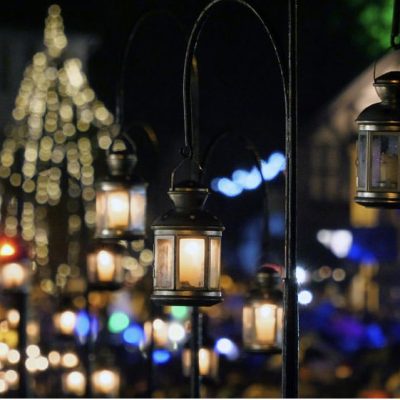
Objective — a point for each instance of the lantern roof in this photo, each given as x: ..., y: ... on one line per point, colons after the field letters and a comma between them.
x: 189, y: 198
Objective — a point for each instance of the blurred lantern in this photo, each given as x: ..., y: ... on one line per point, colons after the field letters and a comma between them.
x: 121, y: 197
x: 378, y: 172
x: 14, y: 266
x: 187, y: 250
x: 208, y: 361
x: 104, y: 266
x: 263, y: 312
x: 105, y: 382
x: 74, y: 383
x: 65, y: 321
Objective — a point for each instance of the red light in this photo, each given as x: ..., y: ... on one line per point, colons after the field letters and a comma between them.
x: 7, y: 250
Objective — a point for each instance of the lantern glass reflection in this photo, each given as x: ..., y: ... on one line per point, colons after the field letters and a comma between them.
x: 378, y: 169
x: 263, y: 313
x: 105, y: 382
x: 187, y: 250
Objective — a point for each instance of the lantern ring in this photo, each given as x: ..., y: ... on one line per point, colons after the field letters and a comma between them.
x: 172, y: 184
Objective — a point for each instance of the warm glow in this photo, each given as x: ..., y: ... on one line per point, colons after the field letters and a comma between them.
x: 67, y: 322
x: 75, y: 382
x: 204, y: 361
x: 265, y: 321
x: 69, y: 360
x: 3, y: 351
x: 105, y: 381
x: 160, y: 332
x: 13, y: 275
x: 54, y: 358
x: 13, y: 318
x: 138, y: 206
x: 33, y: 351
x: 118, y: 210
x: 191, y: 262
x: 105, y: 266
x: 7, y: 250
x: 12, y: 378
x: 13, y: 356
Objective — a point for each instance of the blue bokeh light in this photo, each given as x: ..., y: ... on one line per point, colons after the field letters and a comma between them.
x: 228, y: 187
x: 133, y: 335
x: 161, y: 356
x: 227, y: 347
x: 82, y: 326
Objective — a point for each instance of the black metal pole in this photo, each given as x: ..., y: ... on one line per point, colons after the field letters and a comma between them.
x: 88, y: 350
x: 291, y: 319
x: 21, y: 305
x: 150, y: 351
x: 195, y: 380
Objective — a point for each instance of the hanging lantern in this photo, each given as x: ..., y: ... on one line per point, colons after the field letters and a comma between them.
x: 121, y: 197
x: 74, y: 383
x: 105, y: 382
x: 208, y: 362
x: 187, y: 243
x: 105, y: 266
x: 263, y: 313
x: 14, y: 266
x: 378, y: 172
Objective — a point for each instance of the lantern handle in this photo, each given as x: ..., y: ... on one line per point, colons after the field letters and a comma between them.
x: 120, y: 100
x: 197, y: 164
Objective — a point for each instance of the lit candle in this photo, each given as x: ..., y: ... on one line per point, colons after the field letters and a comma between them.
x: 204, y: 361
x: 265, y: 323
x: 191, y: 262
x: 105, y: 381
x: 75, y: 382
x: 389, y: 167
x: 105, y: 266
x: 118, y: 209
x: 13, y: 275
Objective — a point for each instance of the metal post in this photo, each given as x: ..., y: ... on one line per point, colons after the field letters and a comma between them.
x: 291, y: 318
x: 87, y: 349
x: 195, y: 379
x: 150, y: 351
x: 21, y: 305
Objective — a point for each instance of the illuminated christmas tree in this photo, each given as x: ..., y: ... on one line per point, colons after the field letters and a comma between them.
x: 47, y: 157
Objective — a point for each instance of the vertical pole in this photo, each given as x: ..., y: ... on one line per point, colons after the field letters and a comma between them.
x: 291, y: 319
x: 21, y: 305
x: 194, y: 110
x: 195, y: 347
x: 150, y: 351
x: 87, y: 348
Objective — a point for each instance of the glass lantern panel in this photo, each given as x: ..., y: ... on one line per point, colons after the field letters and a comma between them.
x: 164, y: 262
x: 248, y: 323
x: 117, y: 209
x: 138, y: 208
x: 101, y: 210
x: 215, y: 262
x: 265, y: 323
x: 204, y: 361
x: 384, y: 161
x: 191, y: 262
x: 362, y: 161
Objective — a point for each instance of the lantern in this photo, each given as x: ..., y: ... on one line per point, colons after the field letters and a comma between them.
x: 74, y: 383
x: 105, y: 382
x: 187, y: 243
x: 378, y: 172
x: 105, y: 266
x: 121, y: 197
x: 208, y: 362
x: 263, y: 313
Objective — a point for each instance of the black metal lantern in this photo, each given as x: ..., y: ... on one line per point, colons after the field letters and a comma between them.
x: 263, y: 313
x: 105, y: 266
x: 378, y: 172
x: 187, y: 246
x: 121, y: 197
